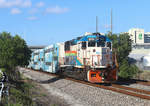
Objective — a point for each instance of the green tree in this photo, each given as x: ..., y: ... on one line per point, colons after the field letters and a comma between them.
x: 124, y: 69
x: 122, y: 45
x: 127, y: 70
x: 13, y: 51
x: 114, y: 39
x: 22, y: 52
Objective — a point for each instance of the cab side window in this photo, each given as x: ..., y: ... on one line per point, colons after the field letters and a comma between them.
x: 101, y: 42
x: 83, y: 45
x: 109, y: 44
x: 67, y: 46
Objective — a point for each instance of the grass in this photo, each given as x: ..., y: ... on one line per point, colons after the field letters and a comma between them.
x: 44, y: 95
x: 1, y: 75
x: 20, y: 95
x: 19, y: 92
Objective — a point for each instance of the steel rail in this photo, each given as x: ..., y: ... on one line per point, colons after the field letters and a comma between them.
x: 144, y: 83
x: 131, y: 89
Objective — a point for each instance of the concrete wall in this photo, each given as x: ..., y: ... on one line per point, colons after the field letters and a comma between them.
x: 137, y: 35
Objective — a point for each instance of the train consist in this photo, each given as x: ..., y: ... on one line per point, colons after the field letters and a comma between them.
x: 89, y: 56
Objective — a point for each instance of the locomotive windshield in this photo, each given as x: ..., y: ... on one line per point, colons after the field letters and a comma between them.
x: 101, y: 42
x: 95, y: 41
x: 91, y: 42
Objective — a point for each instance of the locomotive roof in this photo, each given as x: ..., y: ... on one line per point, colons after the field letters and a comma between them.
x: 85, y: 38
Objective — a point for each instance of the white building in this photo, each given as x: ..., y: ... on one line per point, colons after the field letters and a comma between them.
x: 140, y: 47
x: 137, y: 35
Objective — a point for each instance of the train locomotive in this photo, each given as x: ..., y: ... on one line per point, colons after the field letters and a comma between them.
x: 89, y: 56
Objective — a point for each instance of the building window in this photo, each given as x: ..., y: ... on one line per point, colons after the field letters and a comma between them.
x: 140, y: 36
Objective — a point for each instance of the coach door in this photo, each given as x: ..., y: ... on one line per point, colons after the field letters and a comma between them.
x: 55, y: 59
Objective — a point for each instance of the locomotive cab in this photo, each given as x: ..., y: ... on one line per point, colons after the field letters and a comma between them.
x: 95, y: 51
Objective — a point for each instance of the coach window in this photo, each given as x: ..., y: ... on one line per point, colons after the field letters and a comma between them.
x: 83, y: 45
x: 36, y: 53
x: 48, y: 63
x: 47, y: 51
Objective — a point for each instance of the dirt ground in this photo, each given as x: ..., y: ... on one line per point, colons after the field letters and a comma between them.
x: 43, y: 98
x: 144, y: 75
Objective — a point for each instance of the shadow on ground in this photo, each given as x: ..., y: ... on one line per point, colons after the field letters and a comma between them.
x: 128, y: 81
x: 51, y: 80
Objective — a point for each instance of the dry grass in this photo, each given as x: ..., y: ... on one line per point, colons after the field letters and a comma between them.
x: 145, y: 75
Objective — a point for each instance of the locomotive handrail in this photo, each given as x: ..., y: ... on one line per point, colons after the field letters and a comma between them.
x: 116, y: 63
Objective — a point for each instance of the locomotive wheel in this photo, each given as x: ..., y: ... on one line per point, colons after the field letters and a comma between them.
x: 84, y: 75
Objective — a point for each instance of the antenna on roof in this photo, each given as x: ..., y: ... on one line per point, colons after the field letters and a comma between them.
x: 111, y: 22
x: 96, y: 24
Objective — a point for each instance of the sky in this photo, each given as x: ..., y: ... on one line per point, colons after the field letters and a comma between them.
x: 44, y: 22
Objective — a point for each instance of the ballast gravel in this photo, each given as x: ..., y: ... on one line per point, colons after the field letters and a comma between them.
x: 76, y: 94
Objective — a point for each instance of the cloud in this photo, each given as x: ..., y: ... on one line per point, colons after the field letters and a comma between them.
x: 15, y: 11
x: 56, y: 10
x: 36, y: 8
x: 15, y: 3
x: 27, y: 3
x: 32, y: 18
x: 33, y: 11
x: 107, y: 26
x: 40, y: 4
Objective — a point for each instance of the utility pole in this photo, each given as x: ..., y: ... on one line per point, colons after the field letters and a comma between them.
x: 111, y: 22
x: 96, y: 24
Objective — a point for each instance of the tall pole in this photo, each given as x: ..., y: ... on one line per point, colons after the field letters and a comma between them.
x: 111, y: 22
x: 96, y: 24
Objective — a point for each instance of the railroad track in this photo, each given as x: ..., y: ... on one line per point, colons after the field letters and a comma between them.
x: 144, y: 83
x: 141, y: 82
x: 143, y: 94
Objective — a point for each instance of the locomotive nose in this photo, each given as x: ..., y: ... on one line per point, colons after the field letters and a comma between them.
x: 95, y: 76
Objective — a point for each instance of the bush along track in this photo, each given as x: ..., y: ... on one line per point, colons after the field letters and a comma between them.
x: 3, y: 91
x: 17, y: 90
